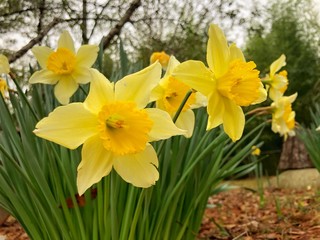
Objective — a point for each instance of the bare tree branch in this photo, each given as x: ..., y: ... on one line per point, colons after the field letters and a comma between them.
x: 117, y: 29
x: 34, y: 41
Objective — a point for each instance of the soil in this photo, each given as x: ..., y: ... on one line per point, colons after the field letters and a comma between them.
x: 273, y: 213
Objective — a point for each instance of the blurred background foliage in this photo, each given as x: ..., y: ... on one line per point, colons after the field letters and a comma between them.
x: 263, y: 29
x: 294, y: 31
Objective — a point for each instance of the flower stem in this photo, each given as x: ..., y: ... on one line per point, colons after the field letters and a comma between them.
x: 260, y: 110
x: 177, y: 115
x: 186, y: 97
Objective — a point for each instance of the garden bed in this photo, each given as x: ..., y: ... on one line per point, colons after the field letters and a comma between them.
x: 243, y: 214
x: 280, y: 211
x: 273, y: 214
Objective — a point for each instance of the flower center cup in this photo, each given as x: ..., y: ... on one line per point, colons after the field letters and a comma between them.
x: 123, y: 128
x: 62, y: 61
x: 174, y: 95
x: 290, y: 122
x: 240, y: 83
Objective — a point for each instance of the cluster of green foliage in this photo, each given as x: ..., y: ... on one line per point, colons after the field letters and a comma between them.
x: 311, y: 136
x: 293, y: 32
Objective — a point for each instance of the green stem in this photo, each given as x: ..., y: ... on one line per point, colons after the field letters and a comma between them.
x: 177, y: 114
x: 84, y: 91
x: 184, y: 101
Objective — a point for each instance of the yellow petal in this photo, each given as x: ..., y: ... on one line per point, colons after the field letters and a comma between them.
x: 163, y: 126
x: 65, y: 41
x: 44, y: 76
x: 137, y: 87
x: 173, y: 62
x: 64, y: 89
x: 68, y: 125
x: 87, y: 55
x: 42, y: 53
x: 236, y: 53
x: 217, y: 51
x: 139, y: 169
x: 262, y: 94
x: 101, y: 92
x: 81, y: 75
x: 215, y: 110
x: 186, y: 121
x: 233, y: 120
x: 196, y: 75
x: 201, y: 101
x: 96, y: 163
x: 275, y: 94
x: 4, y: 64
x: 277, y: 65
x: 292, y: 97
x: 156, y: 93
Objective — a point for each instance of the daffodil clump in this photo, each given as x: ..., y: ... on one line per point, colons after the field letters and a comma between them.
x: 132, y: 158
x: 115, y: 129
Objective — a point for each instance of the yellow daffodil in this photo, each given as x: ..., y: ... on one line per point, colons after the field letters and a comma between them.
x: 4, y: 64
x: 277, y: 82
x: 318, y: 128
x: 3, y: 86
x: 64, y: 67
x: 114, y: 128
x: 255, y: 151
x: 229, y: 83
x: 283, y: 118
x: 169, y: 95
x: 162, y: 57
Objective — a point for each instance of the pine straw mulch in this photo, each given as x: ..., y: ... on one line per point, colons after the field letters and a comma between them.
x: 242, y: 214
x: 274, y: 214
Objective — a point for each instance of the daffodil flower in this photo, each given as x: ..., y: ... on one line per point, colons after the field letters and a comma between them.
x: 229, y: 83
x: 114, y: 128
x: 277, y: 82
x: 169, y: 95
x: 4, y: 64
x: 283, y: 118
x: 162, y: 57
x: 64, y: 67
x: 255, y: 151
x: 3, y: 86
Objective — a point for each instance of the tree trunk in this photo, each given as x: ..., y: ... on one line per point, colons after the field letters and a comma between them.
x: 294, y: 155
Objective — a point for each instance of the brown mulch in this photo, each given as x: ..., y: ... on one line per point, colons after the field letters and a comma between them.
x: 242, y: 214
x: 273, y: 214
